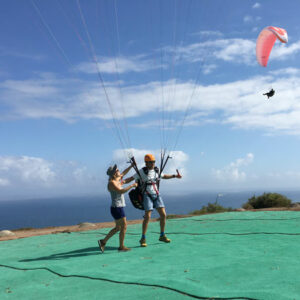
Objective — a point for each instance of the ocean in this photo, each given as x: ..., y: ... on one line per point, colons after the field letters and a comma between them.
x: 40, y: 213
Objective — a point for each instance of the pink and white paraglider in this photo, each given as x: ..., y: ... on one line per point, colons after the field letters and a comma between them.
x: 266, y: 41
x: 264, y: 46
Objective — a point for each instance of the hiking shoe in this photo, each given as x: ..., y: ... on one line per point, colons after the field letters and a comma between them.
x: 143, y: 243
x: 101, y: 245
x: 124, y: 249
x: 164, y: 239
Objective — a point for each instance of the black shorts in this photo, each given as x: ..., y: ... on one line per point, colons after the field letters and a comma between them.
x: 117, y: 212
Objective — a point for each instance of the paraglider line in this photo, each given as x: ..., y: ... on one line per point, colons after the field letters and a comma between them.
x: 51, y: 33
x: 100, y: 76
x: 118, y: 74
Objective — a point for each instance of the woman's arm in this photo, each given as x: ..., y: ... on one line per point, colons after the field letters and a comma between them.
x: 126, y: 171
x: 127, y: 180
x: 115, y: 187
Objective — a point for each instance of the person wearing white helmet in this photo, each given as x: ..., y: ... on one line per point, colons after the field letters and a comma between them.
x: 149, y: 177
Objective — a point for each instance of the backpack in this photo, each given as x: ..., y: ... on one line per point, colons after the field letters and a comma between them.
x: 136, y: 198
x: 136, y: 195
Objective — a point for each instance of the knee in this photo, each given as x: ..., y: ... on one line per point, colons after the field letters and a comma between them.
x: 117, y: 228
x: 124, y: 227
x: 147, y: 218
x: 163, y: 215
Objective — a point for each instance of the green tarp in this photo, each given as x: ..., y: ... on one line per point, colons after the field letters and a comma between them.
x: 237, y: 255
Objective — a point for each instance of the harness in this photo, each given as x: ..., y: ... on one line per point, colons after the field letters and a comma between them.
x: 150, y: 182
x: 136, y: 195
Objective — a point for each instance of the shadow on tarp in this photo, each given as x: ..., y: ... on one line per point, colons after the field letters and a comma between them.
x: 75, y: 253
x: 70, y: 254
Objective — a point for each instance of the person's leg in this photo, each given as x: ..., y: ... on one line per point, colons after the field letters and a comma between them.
x: 148, y: 206
x: 163, y: 216
x: 122, y: 223
x: 146, y: 220
x: 116, y: 215
x: 112, y: 232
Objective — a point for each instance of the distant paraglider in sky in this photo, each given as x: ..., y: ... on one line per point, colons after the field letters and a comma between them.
x: 266, y: 41
x: 270, y: 93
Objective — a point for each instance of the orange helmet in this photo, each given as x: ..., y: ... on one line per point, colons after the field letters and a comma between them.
x: 149, y: 157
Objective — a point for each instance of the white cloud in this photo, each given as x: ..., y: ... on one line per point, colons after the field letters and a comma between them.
x: 80, y: 173
x: 118, y: 65
x: 4, y: 182
x: 9, y: 52
x: 238, y: 103
x: 24, y: 177
x: 26, y: 169
x: 256, y: 5
x: 287, y: 71
x: 209, y: 68
x: 70, y: 100
x: 235, y: 50
x: 37, y: 175
x: 233, y: 172
x: 248, y: 19
x: 208, y: 33
x: 284, y: 51
x: 30, y: 88
x: 51, y: 97
x: 229, y: 50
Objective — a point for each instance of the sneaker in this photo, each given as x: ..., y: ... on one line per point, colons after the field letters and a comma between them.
x: 143, y: 243
x: 101, y: 245
x: 124, y: 249
x: 164, y: 239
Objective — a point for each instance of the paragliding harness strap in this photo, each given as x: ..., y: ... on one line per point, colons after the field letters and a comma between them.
x: 136, y: 195
x: 154, y: 184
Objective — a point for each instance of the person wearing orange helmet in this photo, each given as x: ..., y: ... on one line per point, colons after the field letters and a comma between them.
x: 149, y: 177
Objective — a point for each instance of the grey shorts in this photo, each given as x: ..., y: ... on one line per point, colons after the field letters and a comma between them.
x: 152, y: 202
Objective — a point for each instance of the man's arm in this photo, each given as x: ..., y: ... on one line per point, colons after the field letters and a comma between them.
x: 166, y: 176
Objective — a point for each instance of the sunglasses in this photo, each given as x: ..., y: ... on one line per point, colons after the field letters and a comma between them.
x: 151, y: 162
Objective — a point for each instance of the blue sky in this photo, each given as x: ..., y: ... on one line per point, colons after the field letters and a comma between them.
x: 68, y: 69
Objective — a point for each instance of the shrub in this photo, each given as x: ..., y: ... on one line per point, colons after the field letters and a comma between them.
x: 267, y: 200
x: 247, y: 206
x: 211, y: 208
x: 171, y: 216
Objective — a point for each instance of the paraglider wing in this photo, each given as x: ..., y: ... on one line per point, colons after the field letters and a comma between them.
x: 266, y: 41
